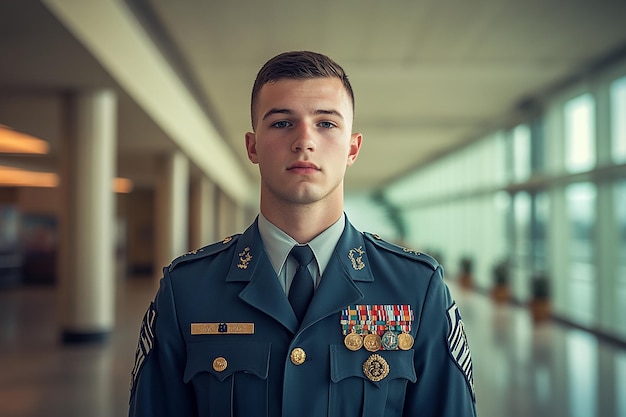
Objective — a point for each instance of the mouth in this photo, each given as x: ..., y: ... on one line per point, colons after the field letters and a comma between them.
x: 303, y: 167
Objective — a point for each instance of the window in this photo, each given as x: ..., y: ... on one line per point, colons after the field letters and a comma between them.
x: 581, y: 214
x: 618, y: 120
x: 580, y: 152
x: 520, y: 269
x: 521, y: 153
x: 539, y: 231
x: 537, y: 145
x: 619, y: 203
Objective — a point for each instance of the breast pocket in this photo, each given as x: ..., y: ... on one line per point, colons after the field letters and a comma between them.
x: 230, y: 379
x: 369, y: 384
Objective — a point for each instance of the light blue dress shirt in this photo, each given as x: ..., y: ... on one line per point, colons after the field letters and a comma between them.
x: 278, y: 244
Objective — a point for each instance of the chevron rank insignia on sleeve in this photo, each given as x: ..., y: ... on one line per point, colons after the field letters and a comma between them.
x: 458, y: 346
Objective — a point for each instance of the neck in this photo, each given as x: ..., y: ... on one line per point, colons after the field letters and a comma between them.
x: 302, y: 222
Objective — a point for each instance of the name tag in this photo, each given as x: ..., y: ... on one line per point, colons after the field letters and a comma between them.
x: 222, y: 328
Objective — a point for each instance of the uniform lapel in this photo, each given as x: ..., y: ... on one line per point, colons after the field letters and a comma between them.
x: 339, y: 284
x: 263, y: 291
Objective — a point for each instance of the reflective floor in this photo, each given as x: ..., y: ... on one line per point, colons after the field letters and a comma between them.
x: 520, y: 369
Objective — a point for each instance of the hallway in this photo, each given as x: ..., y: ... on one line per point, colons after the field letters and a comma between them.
x: 520, y: 369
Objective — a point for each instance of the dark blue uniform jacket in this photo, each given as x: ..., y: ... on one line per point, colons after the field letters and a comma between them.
x: 233, y: 281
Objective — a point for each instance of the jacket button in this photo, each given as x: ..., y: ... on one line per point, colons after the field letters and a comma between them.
x: 298, y: 356
x: 219, y: 364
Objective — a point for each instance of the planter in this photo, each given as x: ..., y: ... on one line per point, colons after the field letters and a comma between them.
x: 466, y: 279
x: 539, y: 304
x: 540, y: 309
x: 501, y: 292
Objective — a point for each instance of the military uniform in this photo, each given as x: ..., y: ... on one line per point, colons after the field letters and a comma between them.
x: 221, y: 338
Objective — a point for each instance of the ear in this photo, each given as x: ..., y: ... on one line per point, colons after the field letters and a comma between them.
x: 251, y: 147
x: 355, y: 146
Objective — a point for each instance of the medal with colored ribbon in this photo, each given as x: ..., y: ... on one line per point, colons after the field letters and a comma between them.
x: 377, y: 327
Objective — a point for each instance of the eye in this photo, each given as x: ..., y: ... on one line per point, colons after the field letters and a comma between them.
x: 327, y: 125
x: 281, y: 124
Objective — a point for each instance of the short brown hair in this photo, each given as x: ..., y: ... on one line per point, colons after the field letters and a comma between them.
x: 298, y: 65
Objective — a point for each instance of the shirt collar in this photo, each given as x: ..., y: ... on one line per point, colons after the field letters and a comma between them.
x: 278, y: 244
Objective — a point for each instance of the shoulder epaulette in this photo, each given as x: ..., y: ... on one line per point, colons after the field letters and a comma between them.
x: 204, y: 251
x: 402, y: 251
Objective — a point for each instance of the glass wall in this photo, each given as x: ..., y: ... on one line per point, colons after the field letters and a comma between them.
x: 458, y: 216
x: 548, y: 195
x: 618, y: 119
x: 521, y: 153
x: 580, y: 150
x: 521, y: 264
x: 581, y: 275
x: 539, y: 232
x: 619, y: 209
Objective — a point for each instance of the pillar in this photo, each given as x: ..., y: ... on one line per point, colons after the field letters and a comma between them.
x: 202, y: 213
x: 86, y: 279
x: 226, y: 216
x: 172, y: 209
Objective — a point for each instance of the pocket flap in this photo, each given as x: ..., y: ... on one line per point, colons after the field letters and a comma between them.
x: 345, y: 363
x: 253, y: 358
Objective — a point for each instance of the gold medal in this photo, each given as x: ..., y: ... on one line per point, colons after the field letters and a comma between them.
x: 405, y: 341
x: 376, y: 368
x: 353, y: 341
x: 372, y: 342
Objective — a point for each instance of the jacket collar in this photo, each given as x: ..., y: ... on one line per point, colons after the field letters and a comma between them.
x: 338, y: 287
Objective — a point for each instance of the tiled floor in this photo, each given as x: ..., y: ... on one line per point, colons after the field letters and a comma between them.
x: 41, y: 377
x: 520, y: 369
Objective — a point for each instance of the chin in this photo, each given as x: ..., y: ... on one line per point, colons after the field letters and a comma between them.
x: 303, y: 196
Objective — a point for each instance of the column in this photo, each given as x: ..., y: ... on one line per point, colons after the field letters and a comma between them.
x: 226, y: 216
x: 172, y: 210
x: 202, y: 213
x: 86, y: 279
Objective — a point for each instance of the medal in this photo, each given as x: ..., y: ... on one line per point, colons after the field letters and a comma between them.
x: 377, y: 327
x: 389, y: 340
x: 353, y: 341
x: 372, y: 342
x: 405, y: 341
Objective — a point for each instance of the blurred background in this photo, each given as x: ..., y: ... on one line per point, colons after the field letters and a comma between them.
x: 494, y: 139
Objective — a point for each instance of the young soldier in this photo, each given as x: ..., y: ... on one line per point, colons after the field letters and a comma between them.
x: 246, y: 327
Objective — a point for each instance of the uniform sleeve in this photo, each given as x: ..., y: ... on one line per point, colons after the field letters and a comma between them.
x: 444, y: 386
x: 157, y: 387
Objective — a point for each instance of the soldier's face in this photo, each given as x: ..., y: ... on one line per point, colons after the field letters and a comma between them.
x: 303, y: 140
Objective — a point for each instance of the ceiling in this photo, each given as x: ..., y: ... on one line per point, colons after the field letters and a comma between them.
x: 429, y: 76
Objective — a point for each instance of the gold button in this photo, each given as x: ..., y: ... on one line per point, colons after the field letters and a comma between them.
x: 219, y: 364
x: 298, y: 356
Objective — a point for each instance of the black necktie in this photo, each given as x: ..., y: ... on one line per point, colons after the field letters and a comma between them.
x: 301, y: 290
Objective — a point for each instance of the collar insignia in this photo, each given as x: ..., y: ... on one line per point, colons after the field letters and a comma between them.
x: 355, y: 255
x: 244, y: 258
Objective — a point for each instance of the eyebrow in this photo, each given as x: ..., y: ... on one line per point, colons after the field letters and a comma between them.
x: 290, y: 112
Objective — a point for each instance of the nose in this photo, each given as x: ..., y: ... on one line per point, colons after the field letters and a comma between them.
x: 303, y: 139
